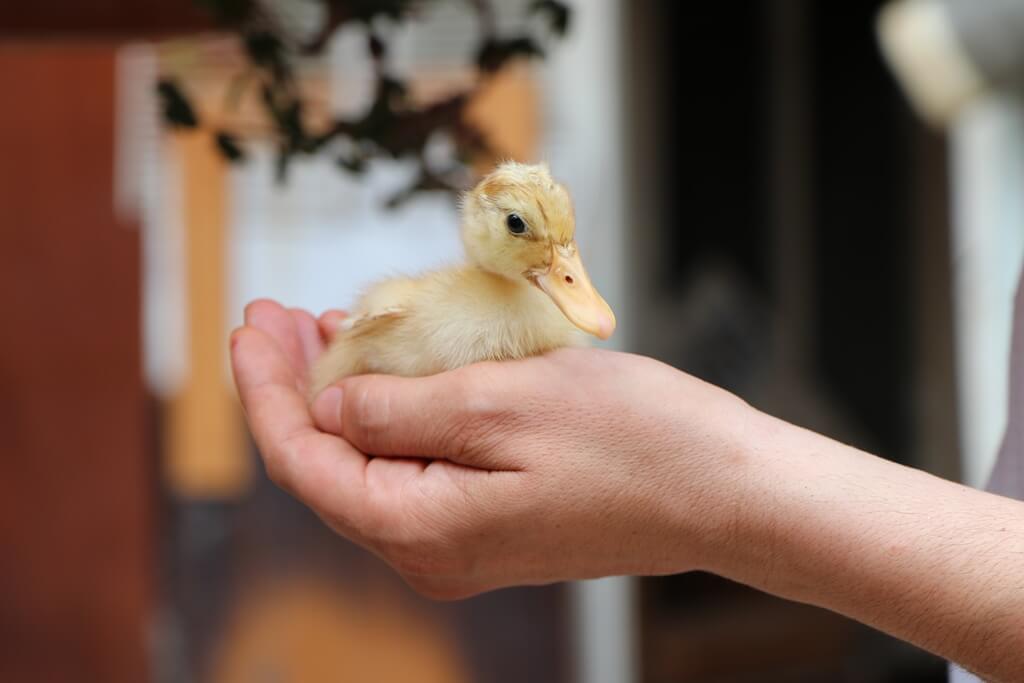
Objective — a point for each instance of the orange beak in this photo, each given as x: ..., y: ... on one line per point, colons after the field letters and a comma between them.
x: 568, y: 285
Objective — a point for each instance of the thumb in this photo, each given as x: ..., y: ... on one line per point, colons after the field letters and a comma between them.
x: 442, y: 416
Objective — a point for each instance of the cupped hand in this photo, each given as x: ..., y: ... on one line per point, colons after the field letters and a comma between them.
x: 577, y: 464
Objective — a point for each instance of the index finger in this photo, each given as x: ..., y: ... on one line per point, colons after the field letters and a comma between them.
x: 321, y: 470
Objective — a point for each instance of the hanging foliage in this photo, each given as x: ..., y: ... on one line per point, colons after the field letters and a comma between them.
x: 392, y: 126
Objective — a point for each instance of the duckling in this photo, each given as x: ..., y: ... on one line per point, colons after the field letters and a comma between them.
x: 523, y: 291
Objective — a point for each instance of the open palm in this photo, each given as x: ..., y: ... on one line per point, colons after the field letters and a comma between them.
x: 382, y: 503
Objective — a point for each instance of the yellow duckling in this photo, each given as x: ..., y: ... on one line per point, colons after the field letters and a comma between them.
x: 523, y: 292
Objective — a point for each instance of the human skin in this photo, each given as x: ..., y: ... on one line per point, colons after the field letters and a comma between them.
x: 586, y: 463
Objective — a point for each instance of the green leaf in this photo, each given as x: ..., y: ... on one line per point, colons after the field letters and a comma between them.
x: 494, y: 53
x: 227, y: 12
x: 353, y: 164
x: 227, y: 145
x: 559, y: 14
x: 376, y: 46
x: 266, y: 50
x: 177, y: 111
x: 281, y: 163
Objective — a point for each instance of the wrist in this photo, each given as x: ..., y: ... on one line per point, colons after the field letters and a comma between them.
x: 744, y: 543
x: 716, y: 503
x: 758, y: 549
x: 759, y: 509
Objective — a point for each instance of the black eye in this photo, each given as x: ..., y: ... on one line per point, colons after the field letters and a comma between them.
x: 515, y: 224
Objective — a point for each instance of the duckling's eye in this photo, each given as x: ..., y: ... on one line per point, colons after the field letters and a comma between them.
x: 515, y: 224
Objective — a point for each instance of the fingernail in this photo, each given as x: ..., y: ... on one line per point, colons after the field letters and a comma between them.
x: 327, y: 408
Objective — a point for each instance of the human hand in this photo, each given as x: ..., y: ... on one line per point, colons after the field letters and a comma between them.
x: 587, y: 463
x: 577, y: 464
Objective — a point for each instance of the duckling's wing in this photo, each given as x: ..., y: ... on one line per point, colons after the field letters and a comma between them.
x: 371, y: 322
x: 352, y: 347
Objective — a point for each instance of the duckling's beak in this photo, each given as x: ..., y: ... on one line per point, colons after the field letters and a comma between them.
x: 567, y: 284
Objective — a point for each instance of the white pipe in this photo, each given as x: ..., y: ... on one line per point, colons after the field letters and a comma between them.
x: 584, y: 128
x: 988, y: 244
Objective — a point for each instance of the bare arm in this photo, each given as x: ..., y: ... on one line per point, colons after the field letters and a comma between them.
x: 585, y: 463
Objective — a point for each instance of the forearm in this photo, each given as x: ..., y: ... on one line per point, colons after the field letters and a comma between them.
x: 927, y: 560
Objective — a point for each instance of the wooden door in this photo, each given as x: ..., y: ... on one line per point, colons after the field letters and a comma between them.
x: 76, y: 512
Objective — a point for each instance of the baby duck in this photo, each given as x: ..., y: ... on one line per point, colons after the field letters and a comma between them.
x: 523, y: 292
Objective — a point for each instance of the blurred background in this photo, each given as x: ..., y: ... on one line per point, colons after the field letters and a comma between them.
x: 762, y: 199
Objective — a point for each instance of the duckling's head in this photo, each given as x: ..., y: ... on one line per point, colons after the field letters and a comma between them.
x: 519, y: 223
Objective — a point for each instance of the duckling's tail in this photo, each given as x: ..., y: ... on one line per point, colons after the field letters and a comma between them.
x: 341, y: 359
